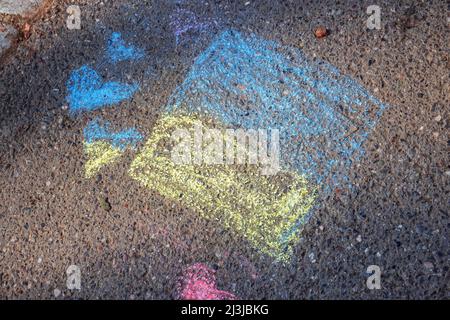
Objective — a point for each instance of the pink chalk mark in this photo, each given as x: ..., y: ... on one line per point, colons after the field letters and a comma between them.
x: 199, y: 283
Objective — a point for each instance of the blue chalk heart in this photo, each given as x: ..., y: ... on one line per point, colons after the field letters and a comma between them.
x: 87, y: 91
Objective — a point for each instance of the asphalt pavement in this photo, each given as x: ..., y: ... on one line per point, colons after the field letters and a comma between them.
x: 363, y: 115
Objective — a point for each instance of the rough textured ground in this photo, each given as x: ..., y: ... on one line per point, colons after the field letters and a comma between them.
x: 396, y: 216
x: 7, y: 34
x: 20, y: 7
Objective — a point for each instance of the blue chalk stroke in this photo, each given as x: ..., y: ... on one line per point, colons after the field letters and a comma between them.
x: 118, y: 50
x: 95, y: 131
x: 87, y: 91
x: 324, y: 117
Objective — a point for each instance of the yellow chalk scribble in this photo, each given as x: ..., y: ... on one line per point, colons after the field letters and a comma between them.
x: 100, y: 153
x: 264, y: 209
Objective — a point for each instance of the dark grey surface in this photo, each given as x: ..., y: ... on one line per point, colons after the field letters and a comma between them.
x: 50, y: 216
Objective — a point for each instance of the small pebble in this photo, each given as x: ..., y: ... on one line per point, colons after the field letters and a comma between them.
x: 428, y: 265
x: 56, y: 292
x: 104, y: 203
x: 359, y: 238
x: 320, y: 32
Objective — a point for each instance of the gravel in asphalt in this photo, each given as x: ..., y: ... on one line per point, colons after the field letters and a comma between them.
x: 134, y: 242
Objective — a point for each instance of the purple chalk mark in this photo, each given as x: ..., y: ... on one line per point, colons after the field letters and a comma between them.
x: 183, y: 20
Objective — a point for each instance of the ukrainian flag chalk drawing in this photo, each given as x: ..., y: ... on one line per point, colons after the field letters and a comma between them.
x: 246, y: 82
x: 103, y: 146
x: 240, y: 82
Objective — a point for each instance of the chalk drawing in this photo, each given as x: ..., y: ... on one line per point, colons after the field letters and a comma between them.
x: 324, y: 118
x: 260, y: 208
x: 247, y: 82
x: 95, y: 131
x: 87, y: 91
x: 184, y: 21
x: 104, y: 146
x: 99, y: 153
x: 118, y: 50
x: 198, y: 282
x: 244, y: 82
